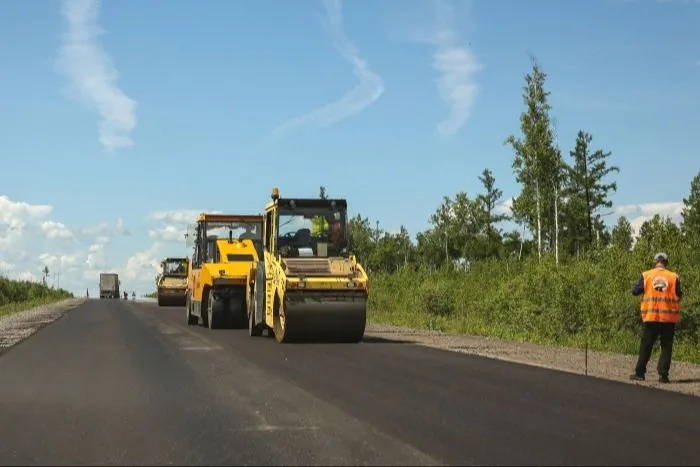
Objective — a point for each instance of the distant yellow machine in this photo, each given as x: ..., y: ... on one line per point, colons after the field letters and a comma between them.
x: 306, y: 286
x: 171, y: 283
x: 225, y: 248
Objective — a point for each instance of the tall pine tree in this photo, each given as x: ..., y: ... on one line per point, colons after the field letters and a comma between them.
x: 487, y: 203
x: 586, y: 193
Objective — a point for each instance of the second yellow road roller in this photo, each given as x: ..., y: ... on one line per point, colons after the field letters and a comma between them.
x: 307, y: 287
x: 171, y: 283
x: 225, y: 247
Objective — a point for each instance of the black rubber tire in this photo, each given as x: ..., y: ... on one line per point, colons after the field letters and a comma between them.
x: 253, y: 330
x: 215, y: 315
x: 191, y: 319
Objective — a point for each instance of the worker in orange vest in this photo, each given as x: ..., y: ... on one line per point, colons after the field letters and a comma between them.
x: 660, y: 310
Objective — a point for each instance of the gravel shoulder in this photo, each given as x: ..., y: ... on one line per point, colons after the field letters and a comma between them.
x: 685, y: 377
x: 16, y: 327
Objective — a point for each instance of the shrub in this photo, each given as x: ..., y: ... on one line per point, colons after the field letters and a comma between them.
x: 580, y: 300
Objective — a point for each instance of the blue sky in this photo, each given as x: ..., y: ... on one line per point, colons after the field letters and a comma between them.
x: 210, y: 97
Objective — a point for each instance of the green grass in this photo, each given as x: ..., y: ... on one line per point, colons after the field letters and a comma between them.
x: 10, y: 308
x: 529, y: 301
x: 22, y: 295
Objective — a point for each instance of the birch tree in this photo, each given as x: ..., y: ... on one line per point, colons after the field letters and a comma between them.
x: 535, y: 162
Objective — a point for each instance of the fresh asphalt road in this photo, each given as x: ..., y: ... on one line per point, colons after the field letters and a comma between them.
x: 125, y: 383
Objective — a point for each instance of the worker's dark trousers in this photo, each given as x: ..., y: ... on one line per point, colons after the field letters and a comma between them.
x: 665, y: 332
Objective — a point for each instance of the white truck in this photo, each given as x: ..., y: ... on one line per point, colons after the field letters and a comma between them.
x: 109, y: 285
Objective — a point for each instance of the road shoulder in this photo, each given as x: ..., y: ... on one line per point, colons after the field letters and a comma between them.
x: 18, y: 326
x: 685, y: 377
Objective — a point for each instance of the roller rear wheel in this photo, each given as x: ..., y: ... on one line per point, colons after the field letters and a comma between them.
x: 191, y: 319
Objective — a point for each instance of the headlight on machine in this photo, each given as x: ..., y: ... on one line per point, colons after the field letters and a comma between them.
x: 351, y: 284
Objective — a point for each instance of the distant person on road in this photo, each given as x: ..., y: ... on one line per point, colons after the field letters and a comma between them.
x: 660, y: 310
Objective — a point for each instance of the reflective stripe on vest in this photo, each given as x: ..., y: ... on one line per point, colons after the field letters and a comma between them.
x: 660, y: 302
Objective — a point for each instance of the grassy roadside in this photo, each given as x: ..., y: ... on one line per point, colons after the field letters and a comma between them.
x: 22, y: 295
x: 16, y: 307
x: 540, y: 303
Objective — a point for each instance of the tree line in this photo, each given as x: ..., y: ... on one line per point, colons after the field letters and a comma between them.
x: 569, y: 283
x: 562, y: 203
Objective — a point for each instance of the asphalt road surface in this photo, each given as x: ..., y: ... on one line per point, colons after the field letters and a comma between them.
x: 125, y: 383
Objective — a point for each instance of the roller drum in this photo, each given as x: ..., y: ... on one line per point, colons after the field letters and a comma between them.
x: 332, y: 316
x: 171, y: 298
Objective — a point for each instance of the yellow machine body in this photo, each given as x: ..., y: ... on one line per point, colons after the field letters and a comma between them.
x: 171, y: 283
x: 307, y: 287
x: 219, y: 268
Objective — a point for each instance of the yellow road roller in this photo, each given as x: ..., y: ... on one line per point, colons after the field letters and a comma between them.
x: 225, y: 248
x: 307, y: 287
x: 171, y: 283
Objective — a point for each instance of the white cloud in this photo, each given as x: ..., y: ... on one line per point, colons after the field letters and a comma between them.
x: 57, y: 261
x: 27, y: 276
x: 174, y: 224
x: 54, y: 229
x: 506, y: 207
x: 169, y: 233
x: 672, y: 209
x: 370, y: 88
x: 95, y: 257
x: 136, y: 273
x: 30, y: 240
x: 637, y: 214
x: 458, y: 66
x: 16, y: 214
x: 104, y: 230
x: 93, y: 75
x: 16, y: 222
x: 143, y: 266
x: 179, y: 216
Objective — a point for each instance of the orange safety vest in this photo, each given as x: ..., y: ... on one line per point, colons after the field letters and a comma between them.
x: 660, y: 302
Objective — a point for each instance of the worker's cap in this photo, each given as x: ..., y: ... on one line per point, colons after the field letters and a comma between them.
x: 661, y: 257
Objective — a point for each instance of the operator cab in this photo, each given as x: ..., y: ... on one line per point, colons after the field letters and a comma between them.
x: 211, y: 229
x: 311, y: 227
x: 174, y: 267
